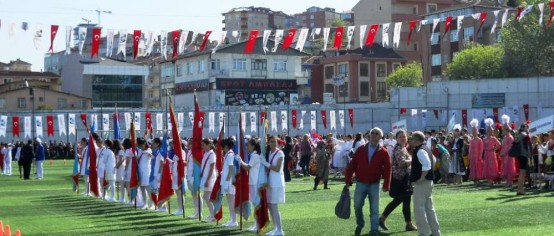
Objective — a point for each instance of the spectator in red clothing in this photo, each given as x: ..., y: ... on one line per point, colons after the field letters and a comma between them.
x: 370, y: 163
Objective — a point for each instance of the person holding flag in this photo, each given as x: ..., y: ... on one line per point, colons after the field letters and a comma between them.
x: 119, y: 152
x: 128, y: 163
x: 196, y: 199
x: 109, y: 168
x: 102, y: 153
x: 208, y: 176
x: 84, y: 171
x: 144, y: 170
x: 175, y: 168
x: 276, y: 190
x: 227, y: 179
x: 156, y: 165
x: 253, y: 167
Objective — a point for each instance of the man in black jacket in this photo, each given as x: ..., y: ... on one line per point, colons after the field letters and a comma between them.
x: 27, y: 158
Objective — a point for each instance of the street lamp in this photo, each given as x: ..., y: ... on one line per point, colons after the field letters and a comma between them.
x: 32, y: 93
x: 340, y: 82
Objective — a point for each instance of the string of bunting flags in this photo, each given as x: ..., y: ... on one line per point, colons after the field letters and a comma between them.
x: 180, y: 44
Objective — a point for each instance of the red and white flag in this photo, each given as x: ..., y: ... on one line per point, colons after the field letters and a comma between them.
x: 294, y: 117
x: 15, y: 126
x: 351, y: 116
x: 50, y: 125
x: 339, y: 32
x: 249, y: 47
x: 302, y: 37
x: 289, y: 38
x: 482, y: 19
x: 371, y: 35
x: 551, y: 16
x: 447, y: 24
x: 205, y: 40
x: 324, y: 118
x: 95, y: 41
x: 136, y: 39
x: 53, y: 32
x: 175, y: 40
x: 412, y: 27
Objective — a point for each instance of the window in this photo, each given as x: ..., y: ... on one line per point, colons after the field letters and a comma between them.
x: 431, y: 7
x: 329, y: 88
x: 259, y: 64
x: 311, y: 17
x: 415, y: 47
x: 201, y: 67
x: 62, y: 103
x: 436, y: 60
x: 364, y: 88
x: 381, y: 89
x: 21, y: 103
x: 239, y: 64
x: 41, y: 99
x: 214, y: 64
x: 453, y: 35
x: 312, y: 25
x: 395, y: 66
x: 435, y: 38
x: 167, y: 69
x: 329, y: 72
x: 468, y: 34
x: 414, y: 10
x: 343, y: 90
x: 381, y: 70
x: 364, y: 70
x: 2, y: 102
x: 343, y: 69
x: 190, y: 68
x: 83, y: 103
x: 280, y: 65
x: 179, y: 69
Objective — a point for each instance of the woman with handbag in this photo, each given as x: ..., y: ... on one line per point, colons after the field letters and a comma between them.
x: 400, y: 188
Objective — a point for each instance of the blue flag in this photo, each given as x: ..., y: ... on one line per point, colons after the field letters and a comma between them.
x: 116, y: 129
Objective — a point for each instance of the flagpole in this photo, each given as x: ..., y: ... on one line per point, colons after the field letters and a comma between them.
x: 240, y: 147
x: 197, y: 192
x: 134, y: 154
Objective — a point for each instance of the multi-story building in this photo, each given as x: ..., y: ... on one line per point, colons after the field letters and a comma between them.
x: 16, y: 80
x: 245, y: 19
x: 230, y: 77
x: 316, y: 17
x: 363, y: 70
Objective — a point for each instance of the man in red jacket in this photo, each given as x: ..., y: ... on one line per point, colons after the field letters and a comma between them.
x: 370, y: 162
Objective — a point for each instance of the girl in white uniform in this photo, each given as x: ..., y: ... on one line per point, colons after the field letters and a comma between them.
x: 253, y: 168
x: 100, y: 156
x: 208, y: 174
x: 144, y: 172
x: 84, y: 168
x: 227, y: 179
x: 119, y: 153
x: 109, y: 166
x: 128, y: 156
x: 157, y: 164
x: 196, y: 199
x: 276, y: 189
x: 175, y: 176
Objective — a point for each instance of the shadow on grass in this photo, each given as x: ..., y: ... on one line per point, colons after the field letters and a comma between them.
x: 507, y: 198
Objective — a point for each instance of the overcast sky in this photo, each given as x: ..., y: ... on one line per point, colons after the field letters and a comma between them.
x: 126, y: 14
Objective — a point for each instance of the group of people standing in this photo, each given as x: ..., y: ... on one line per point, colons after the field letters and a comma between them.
x: 25, y: 155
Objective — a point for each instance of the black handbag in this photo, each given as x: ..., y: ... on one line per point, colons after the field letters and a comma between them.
x: 401, y: 187
x: 342, y: 209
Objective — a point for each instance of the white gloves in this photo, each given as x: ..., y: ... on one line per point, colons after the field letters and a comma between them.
x: 264, y: 163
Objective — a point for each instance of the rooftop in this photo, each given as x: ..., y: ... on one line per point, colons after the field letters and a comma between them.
x: 493, y: 4
x: 28, y: 74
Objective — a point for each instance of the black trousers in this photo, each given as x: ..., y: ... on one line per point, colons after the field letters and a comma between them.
x: 405, y: 207
x: 286, y: 169
x: 305, y: 164
x: 26, y: 170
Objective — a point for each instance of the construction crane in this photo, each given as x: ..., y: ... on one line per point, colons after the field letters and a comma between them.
x: 98, y: 11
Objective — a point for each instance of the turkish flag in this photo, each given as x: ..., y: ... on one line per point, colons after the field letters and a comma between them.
x: 412, y: 27
x: 371, y: 35
x: 15, y: 126
x: 262, y: 117
x: 551, y: 4
x: 482, y: 19
x: 351, y: 116
x: 136, y: 39
x: 447, y: 24
x: 175, y: 39
x: 464, y: 117
x: 288, y: 39
x: 95, y: 41
x: 205, y: 41
x: 53, y: 32
x: 84, y: 119
x: 324, y: 118
x: 495, y: 114
x: 338, y: 37
x: 519, y: 10
x: 526, y: 111
x: 165, y: 191
x: 403, y: 110
x: 294, y: 117
x: 249, y: 47
x: 50, y: 125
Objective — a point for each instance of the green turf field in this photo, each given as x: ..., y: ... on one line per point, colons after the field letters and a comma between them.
x: 48, y: 207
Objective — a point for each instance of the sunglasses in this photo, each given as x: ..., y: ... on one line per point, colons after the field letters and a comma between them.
x: 375, y: 133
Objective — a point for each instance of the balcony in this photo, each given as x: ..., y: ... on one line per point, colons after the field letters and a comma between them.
x: 218, y: 73
x: 258, y: 73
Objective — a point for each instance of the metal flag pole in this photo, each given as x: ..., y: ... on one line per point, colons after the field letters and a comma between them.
x: 240, y: 140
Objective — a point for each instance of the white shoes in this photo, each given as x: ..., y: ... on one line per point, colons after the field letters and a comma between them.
x: 209, y: 219
x: 275, y: 232
x: 162, y: 209
x: 195, y: 216
x: 253, y: 228
x: 231, y: 224
x: 178, y: 213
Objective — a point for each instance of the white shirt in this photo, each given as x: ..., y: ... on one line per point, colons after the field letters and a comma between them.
x: 276, y: 179
x: 108, y: 159
x: 190, y: 166
x: 207, y: 161
x: 254, y: 171
x: 101, y: 155
x: 424, y: 159
x: 8, y: 154
x: 389, y: 144
x: 144, y: 162
x: 227, y: 165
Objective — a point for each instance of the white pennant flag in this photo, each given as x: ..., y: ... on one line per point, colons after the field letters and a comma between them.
x: 106, y: 122
x: 414, y: 117
x: 435, y: 23
x: 333, y: 119
x: 149, y: 43
x: 422, y: 22
x: 193, y: 40
x: 180, y: 121
x: 168, y: 120
x: 191, y: 117
x: 284, y: 120
x: 312, y: 120
x: 159, y: 121
x: 236, y: 35
x: 326, y: 32
x: 273, y: 121
x: 541, y: 8
x: 27, y: 126
x: 301, y: 125
x: 122, y: 46
x: 38, y: 122
x: 182, y: 42
x: 363, y: 28
x: 459, y: 22
x: 424, y: 118
x: 94, y: 121
x: 220, y: 41
x: 385, y: 37
x: 163, y: 44
x: 61, y: 124
x: 267, y: 33
x: 11, y: 32
x: 68, y: 30
x: 221, y: 120
x: 516, y: 114
x: 82, y: 37
x: 109, y: 42
x: 211, y: 122
x: 505, y: 17
x: 137, y: 121
x: 341, y: 118
x: 278, y: 37
x: 495, y: 20
x: 476, y: 16
x: 38, y: 37
x: 127, y: 116
x: 243, y: 124
x: 3, y: 125
x: 142, y: 45
x: 302, y: 39
x: 253, y: 122
x: 349, y: 35
x: 71, y: 124
x: 525, y: 11
x: 396, y: 35
x: 315, y: 32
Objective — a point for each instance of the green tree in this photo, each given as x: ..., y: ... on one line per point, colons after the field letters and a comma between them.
x: 476, y: 62
x: 529, y: 46
x: 409, y: 75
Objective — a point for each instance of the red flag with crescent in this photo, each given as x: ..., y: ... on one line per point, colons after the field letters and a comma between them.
x: 324, y: 118
x: 175, y: 35
x: 371, y: 35
x: 351, y: 116
x: 84, y: 120
x: 249, y: 47
x: 15, y: 126
x: 339, y: 32
x: 136, y: 39
x: 412, y: 27
x: 294, y: 117
x: 482, y: 19
x: 50, y: 125
x: 205, y: 41
x: 447, y: 24
x: 53, y: 32
x: 95, y: 41
x: 288, y: 39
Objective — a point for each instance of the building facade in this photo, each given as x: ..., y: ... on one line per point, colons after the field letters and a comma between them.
x: 316, y: 17
x: 245, y: 19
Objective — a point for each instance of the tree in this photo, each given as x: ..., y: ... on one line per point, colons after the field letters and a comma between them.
x: 529, y: 46
x: 476, y: 62
x: 409, y: 75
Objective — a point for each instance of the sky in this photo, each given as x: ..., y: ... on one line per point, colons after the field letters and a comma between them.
x: 126, y: 14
